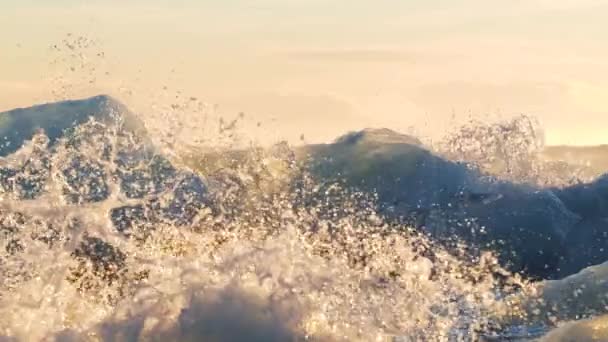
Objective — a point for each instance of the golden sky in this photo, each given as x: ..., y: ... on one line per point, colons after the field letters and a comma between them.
x: 320, y: 67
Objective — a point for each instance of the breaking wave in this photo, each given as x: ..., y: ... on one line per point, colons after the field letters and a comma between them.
x: 104, y: 238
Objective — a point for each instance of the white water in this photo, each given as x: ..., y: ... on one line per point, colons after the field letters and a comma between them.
x: 276, y: 264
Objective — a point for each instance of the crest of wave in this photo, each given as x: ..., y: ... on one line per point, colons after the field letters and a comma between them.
x: 272, y: 256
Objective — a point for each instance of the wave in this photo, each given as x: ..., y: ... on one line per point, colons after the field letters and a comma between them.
x: 372, y: 236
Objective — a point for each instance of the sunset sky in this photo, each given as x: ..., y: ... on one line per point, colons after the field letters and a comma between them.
x: 321, y: 67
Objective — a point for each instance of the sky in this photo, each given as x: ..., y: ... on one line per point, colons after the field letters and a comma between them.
x: 321, y: 67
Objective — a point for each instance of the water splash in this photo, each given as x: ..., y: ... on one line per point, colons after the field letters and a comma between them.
x: 510, y: 150
x: 104, y: 239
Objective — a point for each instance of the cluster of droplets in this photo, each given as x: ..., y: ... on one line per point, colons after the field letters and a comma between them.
x: 78, y: 63
x: 509, y: 149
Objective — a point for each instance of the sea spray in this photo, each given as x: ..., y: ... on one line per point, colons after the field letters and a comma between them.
x: 232, y: 259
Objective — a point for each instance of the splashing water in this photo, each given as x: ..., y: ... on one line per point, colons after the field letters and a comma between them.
x: 103, y: 239
x: 511, y: 150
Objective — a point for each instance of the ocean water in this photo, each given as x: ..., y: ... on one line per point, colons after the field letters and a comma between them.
x: 105, y: 237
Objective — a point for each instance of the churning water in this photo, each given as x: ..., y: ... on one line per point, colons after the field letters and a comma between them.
x: 103, y: 238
